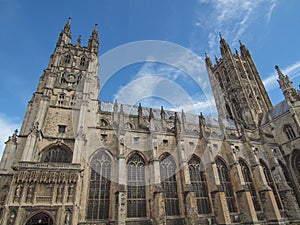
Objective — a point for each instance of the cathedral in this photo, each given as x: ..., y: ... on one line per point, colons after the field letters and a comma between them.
x: 79, y: 160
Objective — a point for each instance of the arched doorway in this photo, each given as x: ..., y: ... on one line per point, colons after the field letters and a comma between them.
x: 40, y: 219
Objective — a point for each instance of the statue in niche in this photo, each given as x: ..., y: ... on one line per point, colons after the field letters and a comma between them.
x: 30, y: 191
x: 18, y: 191
x: 68, y: 218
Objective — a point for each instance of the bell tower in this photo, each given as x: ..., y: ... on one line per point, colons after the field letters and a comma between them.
x: 69, y: 84
x: 239, y: 92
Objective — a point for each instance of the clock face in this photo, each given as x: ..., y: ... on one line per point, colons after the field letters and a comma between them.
x: 71, y: 77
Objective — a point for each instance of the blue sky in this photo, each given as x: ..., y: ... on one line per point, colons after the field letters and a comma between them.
x: 29, y: 31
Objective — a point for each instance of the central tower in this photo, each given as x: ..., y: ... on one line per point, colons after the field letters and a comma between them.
x: 239, y: 92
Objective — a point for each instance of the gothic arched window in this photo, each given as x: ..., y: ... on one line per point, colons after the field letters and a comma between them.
x: 169, y: 185
x: 198, y: 181
x: 271, y: 183
x: 226, y: 74
x: 82, y: 61
x: 57, y: 154
x: 136, y: 189
x: 99, y: 193
x: 249, y: 182
x: 288, y: 130
x: 40, y: 219
x: 61, y: 98
x: 68, y: 58
x: 226, y: 185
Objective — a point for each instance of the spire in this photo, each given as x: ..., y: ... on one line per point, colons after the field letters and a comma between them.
x: 223, y: 45
x: 162, y: 113
x: 94, y: 40
x: 243, y: 49
x: 287, y: 86
x: 140, y: 114
x: 65, y: 35
x: 151, y: 115
x: 208, y: 61
x: 78, y: 41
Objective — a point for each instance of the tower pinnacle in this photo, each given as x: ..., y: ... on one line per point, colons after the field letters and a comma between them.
x: 94, y: 40
x: 65, y: 35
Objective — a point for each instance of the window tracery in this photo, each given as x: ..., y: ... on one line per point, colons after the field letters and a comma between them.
x: 99, y: 191
x: 198, y: 181
x: 288, y: 130
x: 57, y: 154
x: 249, y: 183
x: 169, y: 185
x: 40, y: 219
x: 226, y: 185
x: 136, y: 187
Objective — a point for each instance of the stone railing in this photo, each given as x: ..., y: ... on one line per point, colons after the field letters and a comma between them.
x: 40, y: 165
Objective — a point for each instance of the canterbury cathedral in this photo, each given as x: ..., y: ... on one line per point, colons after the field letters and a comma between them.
x: 79, y: 160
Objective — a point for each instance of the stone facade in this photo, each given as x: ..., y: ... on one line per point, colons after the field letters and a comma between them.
x: 78, y: 160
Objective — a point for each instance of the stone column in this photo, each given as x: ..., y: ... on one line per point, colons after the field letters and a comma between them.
x: 190, y: 204
x: 220, y: 207
x: 157, y: 206
x: 121, y: 195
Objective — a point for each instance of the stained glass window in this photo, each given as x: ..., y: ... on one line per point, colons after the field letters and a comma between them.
x: 226, y: 185
x: 169, y: 185
x: 136, y: 190
x: 198, y: 181
x: 58, y: 155
x: 99, y: 193
x: 249, y: 182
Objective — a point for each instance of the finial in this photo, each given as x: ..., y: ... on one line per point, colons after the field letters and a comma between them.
x: 162, y: 113
x: 79, y: 40
x: 216, y: 59
x: 278, y: 70
x: 220, y: 35
x: 240, y: 43
x: 69, y: 20
x: 236, y: 51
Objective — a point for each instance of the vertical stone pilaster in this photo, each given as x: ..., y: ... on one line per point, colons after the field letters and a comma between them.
x: 287, y: 196
x: 266, y: 194
x: 158, y: 206
x: 190, y: 206
x: 121, y: 205
x: 220, y: 208
x: 244, y: 199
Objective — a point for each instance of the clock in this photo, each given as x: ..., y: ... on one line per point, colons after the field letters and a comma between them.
x: 71, y: 77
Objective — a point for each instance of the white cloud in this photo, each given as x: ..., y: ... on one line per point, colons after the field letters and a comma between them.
x: 7, y: 126
x: 233, y: 17
x: 292, y: 71
x: 156, y: 84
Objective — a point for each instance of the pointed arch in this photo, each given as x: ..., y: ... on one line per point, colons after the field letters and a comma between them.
x: 136, y: 186
x: 67, y: 58
x: 270, y: 182
x: 289, y: 132
x: 198, y: 181
x: 247, y: 175
x: 169, y: 184
x: 40, y: 218
x: 82, y: 61
x: 57, y: 153
x: 99, y: 191
x: 223, y: 173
